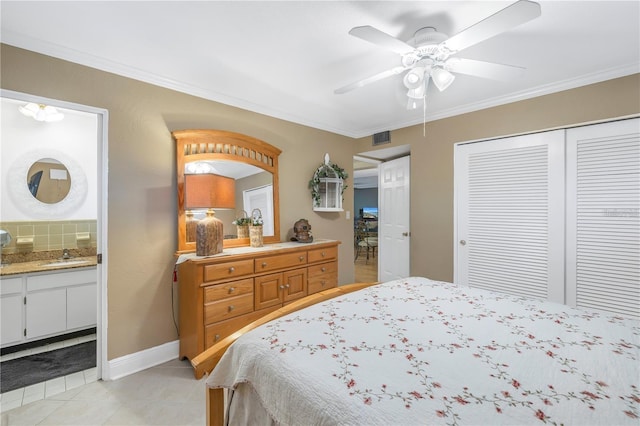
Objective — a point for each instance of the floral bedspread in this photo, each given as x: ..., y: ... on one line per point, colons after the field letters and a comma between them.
x: 416, y: 351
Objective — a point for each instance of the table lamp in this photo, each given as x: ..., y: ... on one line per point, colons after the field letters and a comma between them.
x: 208, y: 191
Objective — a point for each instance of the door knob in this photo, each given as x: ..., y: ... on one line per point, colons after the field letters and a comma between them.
x: 463, y: 243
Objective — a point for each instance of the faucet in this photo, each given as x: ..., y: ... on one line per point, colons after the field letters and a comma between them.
x: 65, y: 254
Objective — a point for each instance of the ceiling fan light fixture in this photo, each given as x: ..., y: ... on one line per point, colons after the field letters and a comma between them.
x: 441, y: 78
x: 413, y: 79
x: 417, y: 93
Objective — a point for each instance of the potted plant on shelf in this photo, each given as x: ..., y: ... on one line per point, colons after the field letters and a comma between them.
x: 255, y: 228
x: 242, y: 225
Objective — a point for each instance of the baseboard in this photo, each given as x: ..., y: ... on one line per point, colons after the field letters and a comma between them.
x: 132, y: 363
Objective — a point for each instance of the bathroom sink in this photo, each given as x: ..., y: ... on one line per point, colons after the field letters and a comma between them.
x: 65, y: 262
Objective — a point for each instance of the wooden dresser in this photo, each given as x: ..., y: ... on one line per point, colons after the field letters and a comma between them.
x: 223, y: 293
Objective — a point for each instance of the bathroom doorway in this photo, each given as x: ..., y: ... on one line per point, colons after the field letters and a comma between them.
x: 79, y: 141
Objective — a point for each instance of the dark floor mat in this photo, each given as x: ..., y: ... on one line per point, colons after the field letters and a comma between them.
x: 32, y: 369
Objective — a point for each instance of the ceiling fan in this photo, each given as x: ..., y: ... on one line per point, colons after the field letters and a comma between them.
x: 429, y: 55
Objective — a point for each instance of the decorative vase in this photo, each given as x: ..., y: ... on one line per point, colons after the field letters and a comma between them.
x: 209, y: 235
x: 255, y: 235
x: 243, y: 231
x: 191, y: 226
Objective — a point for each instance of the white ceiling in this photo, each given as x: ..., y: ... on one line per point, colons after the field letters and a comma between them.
x: 285, y: 59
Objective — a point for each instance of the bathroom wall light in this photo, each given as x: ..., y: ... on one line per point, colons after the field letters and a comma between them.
x: 41, y: 112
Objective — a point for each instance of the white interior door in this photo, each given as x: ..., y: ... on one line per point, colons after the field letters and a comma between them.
x: 603, y: 217
x: 394, y: 206
x: 261, y: 198
x: 509, y: 234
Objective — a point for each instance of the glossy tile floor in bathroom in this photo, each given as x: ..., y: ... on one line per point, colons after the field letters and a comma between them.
x: 166, y: 394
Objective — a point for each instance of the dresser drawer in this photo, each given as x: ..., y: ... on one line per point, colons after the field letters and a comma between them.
x: 228, y: 308
x: 280, y: 261
x: 322, y: 282
x: 218, y: 331
x: 318, y: 255
x: 323, y: 268
x: 228, y: 270
x: 234, y: 288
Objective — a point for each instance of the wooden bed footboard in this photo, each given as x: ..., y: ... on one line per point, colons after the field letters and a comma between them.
x: 207, y: 360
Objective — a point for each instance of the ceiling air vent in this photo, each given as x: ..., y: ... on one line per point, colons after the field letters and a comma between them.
x: 381, y: 138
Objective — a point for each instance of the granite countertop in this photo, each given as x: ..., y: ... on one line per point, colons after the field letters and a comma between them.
x: 46, y: 261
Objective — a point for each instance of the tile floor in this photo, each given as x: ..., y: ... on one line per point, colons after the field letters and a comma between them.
x: 167, y: 394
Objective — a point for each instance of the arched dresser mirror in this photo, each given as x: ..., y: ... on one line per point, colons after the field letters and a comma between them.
x: 251, y: 165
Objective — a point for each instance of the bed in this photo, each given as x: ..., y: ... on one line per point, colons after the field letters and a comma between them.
x: 416, y: 351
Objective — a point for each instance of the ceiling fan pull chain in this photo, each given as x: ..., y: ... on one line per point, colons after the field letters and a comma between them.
x: 424, y: 116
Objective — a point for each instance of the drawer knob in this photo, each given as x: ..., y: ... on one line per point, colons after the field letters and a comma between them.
x: 232, y: 289
x: 322, y: 283
x: 301, y: 258
x: 323, y: 269
x: 287, y: 286
x: 323, y: 254
x: 281, y: 287
x: 231, y: 308
x: 232, y: 269
x: 264, y: 264
x: 216, y: 338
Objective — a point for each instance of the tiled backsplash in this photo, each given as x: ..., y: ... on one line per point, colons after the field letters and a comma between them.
x: 49, y: 235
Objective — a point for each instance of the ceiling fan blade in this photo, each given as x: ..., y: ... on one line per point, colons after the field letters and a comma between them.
x: 484, y: 69
x: 382, y: 39
x: 511, y: 16
x: 369, y: 80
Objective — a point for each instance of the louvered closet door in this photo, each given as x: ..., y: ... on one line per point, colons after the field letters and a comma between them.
x: 603, y: 221
x: 510, y: 209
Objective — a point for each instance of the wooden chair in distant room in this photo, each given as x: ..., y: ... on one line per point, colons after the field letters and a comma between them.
x: 365, y: 240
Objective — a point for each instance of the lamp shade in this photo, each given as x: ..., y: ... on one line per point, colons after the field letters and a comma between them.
x: 413, y: 79
x: 442, y: 78
x: 209, y: 190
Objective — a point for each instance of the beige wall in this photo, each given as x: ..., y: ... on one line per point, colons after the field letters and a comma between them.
x: 432, y: 155
x: 142, y: 190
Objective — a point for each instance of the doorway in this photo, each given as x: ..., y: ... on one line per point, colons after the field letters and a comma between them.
x: 88, y: 203
x: 372, y: 208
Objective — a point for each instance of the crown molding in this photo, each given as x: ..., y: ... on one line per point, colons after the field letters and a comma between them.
x: 72, y: 55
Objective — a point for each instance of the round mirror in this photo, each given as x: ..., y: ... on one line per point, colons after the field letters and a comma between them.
x: 48, y: 180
